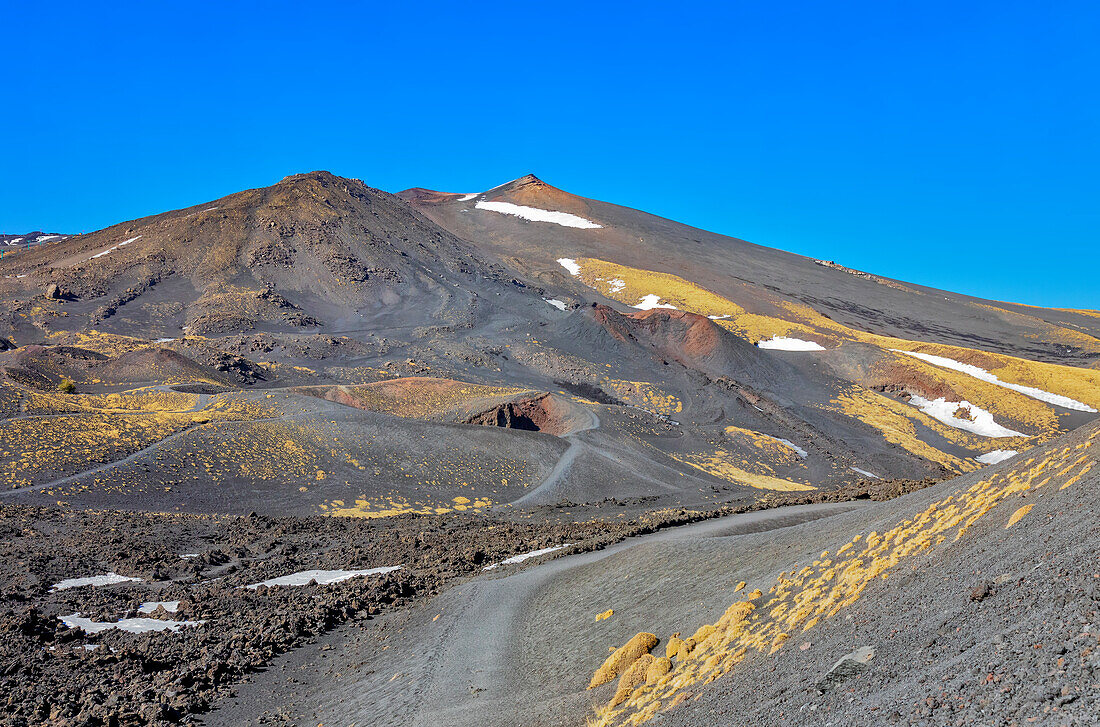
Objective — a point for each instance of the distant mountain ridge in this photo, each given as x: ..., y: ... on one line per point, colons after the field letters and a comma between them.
x: 701, y: 368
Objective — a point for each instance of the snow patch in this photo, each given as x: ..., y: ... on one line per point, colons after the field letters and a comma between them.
x: 520, y: 558
x: 150, y: 606
x: 560, y: 305
x: 720, y: 318
x: 112, y: 249
x: 46, y: 238
x: 617, y: 284
x: 107, y: 579
x: 801, y: 452
x: 534, y: 214
x: 570, y: 264
x: 651, y: 301
x: 323, y: 577
x: 945, y: 411
x: 129, y: 625
x: 468, y: 197
x: 865, y: 473
x: 979, y: 373
x: 782, y: 343
x: 997, y: 455
x: 165, y: 340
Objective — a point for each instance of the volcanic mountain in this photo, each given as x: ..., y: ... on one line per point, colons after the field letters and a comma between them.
x: 709, y: 368
x: 467, y: 381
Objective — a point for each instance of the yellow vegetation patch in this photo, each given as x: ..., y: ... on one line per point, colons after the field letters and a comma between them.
x: 672, y: 648
x: 605, y: 615
x: 658, y: 669
x: 644, y: 395
x: 802, y: 598
x: 108, y: 344
x: 391, y: 507
x: 634, y: 675
x: 630, y: 285
x: 720, y: 464
x: 775, y: 451
x: 896, y: 421
x: 61, y: 435
x: 38, y: 449
x: 786, y: 318
x: 623, y: 657
x: 422, y: 397
x: 1018, y: 515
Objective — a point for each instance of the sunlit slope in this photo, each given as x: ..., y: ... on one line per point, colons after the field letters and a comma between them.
x: 157, y: 449
x: 51, y: 436
x: 1034, y: 400
x: 742, y: 272
x: 918, y: 534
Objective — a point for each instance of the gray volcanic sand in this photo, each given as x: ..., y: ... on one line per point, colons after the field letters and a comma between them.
x: 519, y: 649
x: 497, y: 653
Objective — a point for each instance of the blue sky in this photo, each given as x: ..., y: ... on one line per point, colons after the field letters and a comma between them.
x: 945, y: 143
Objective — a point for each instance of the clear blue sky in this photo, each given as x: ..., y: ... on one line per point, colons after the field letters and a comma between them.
x: 945, y: 143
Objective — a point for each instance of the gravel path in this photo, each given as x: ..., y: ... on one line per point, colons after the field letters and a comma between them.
x: 465, y: 657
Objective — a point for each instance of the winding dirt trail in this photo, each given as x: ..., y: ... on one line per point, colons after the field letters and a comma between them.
x: 498, y: 650
x: 544, y: 492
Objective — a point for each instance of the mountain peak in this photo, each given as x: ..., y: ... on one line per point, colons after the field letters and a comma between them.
x: 318, y: 174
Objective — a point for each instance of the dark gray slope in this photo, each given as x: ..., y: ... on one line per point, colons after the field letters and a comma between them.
x: 519, y: 650
x: 319, y: 280
x: 727, y: 265
x: 313, y: 252
x: 496, y: 655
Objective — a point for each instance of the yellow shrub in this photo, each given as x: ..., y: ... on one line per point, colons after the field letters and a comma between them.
x: 623, y: 657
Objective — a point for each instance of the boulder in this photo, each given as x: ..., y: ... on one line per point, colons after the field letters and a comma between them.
x: 847, y: 666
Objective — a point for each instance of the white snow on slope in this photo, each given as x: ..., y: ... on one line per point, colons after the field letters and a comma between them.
x: 560, y: 305
x: 112, y: 249
x: 944, y: 411
x: 782, y: 343
x: 997, y: 455
x: 129, y: 625
x: 323, y: 577
x: 534, y: 214
x: 46, y: 238
x: 617, y: 284
x: 107, y: 579
x: 801, y: 452
x: 16, y: 240
x: 865, y: 473
x: 651, y: 301
x: 570, y: 264
x: 979, y: 373
x: 468, y: 197
x: 520, y: 558
x: 150, y: 606
x: 720, y: 318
